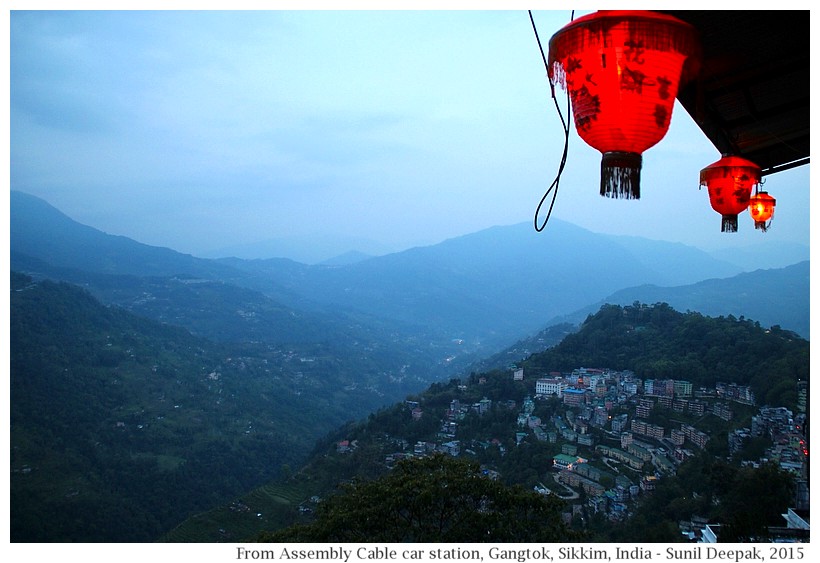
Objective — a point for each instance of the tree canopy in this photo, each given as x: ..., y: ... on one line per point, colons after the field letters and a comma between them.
x: 658, y: 342
x: 435, y: 499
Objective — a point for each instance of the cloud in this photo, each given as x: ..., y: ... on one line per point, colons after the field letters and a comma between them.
x: 197, y: 128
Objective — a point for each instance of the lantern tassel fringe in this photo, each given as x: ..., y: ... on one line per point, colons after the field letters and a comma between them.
x: 729, y: 224
x: 621, y: 175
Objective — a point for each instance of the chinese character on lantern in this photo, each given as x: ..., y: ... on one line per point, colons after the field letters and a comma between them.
x: 730, y: 181
x: 622, y: 70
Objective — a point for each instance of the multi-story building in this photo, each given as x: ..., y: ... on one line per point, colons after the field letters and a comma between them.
x: 771, y: 420
x: 642, y: 410
x: 569, y: 434
x: 655, y: 431
x: 563, y: 461
x: 629, y: 388
x: 680, y: 405
x: 659, y: 387
x: 547, y: 387
x: 454, y: 412
x: 573, y: 479
x: 697, y: 408
x: 586, y: 439
x: 528, y: 407
x: 694, y: 435
x: 620, y: 455
x: 682, y: 388
x: 648, y: 483
x: 640, y: 452
x: 453, y: 448
x: 664, y: 401
x: 722, y: 411
x: 600, y: 417
x: 574, y: 397
x: 677, y: 436
x: 483, y: 406
x: 734, y: 392
x: 737, y: 439
x: 619, y: 422
x: 646, y: 429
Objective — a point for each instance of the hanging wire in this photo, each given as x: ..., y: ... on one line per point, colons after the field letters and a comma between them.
x: 554, y: 186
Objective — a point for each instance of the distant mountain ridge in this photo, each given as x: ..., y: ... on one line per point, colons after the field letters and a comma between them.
x: 493, y: 285
x: 744, y: 295
x: 39, y: 230
x: 764, y: 254
x: 316, y: 249
x: 486, y: 289
x: 757, y: 295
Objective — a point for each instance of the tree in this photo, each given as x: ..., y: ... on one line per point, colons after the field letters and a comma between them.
x: 755, y: 500
x: 432, y: 499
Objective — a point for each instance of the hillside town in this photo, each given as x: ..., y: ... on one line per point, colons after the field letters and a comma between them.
x: 618, y: 436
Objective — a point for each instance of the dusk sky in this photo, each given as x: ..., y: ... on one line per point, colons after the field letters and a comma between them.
x: 201, y: 130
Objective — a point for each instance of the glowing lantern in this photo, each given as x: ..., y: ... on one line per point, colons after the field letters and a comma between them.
x: 622, y: 70
x: 761, y: 208
x: 730, y: 181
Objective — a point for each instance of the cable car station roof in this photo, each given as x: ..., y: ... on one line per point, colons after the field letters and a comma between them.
x: 751, y: 97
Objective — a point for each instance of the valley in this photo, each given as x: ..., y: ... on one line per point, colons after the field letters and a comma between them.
x: 206, y: 379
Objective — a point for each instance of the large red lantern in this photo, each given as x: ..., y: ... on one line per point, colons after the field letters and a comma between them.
x: 622, y: 70
x: 761, y: 208
x: 730, y: 181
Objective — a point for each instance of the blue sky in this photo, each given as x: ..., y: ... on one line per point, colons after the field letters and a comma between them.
x: 201, y: 130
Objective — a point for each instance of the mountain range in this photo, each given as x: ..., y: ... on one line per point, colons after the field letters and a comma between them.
x: 332, y: 342
x: 485, y: 290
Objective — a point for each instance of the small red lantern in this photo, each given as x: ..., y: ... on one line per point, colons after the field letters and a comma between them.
x: 622, y: 70
x: 761, y: 208
x: 730, y: 181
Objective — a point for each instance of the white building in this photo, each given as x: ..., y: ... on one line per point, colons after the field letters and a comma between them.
x: 550, y: 386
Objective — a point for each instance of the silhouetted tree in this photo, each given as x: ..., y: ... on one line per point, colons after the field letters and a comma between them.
x: 433, y: 499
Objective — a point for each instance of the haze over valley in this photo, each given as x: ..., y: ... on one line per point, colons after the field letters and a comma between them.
x: 185, y: 365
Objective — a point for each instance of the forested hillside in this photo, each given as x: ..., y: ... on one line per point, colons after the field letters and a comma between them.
x: 640, y: 341
x: 121, y: 427
x: 658, y: 342
x: 756, y: 295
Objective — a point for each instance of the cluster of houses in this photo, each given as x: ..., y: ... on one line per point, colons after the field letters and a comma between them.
x: 789, y: 447
x: 649, y: 449
x: 596, y: 399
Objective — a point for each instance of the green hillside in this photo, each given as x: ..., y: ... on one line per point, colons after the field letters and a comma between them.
x: 122, y: 427
x: 125, y: 429
x: 658, y: 342
x: 639, y: 341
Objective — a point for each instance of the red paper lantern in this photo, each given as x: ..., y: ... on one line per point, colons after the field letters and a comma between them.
x: 761, y: 208
x: 730, y: 181
x: 622, y: 70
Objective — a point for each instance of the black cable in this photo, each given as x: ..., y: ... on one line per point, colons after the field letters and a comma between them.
x: 554, y: 186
